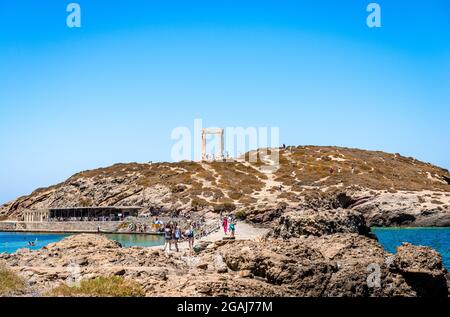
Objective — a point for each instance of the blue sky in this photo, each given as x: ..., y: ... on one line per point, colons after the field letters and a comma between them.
x: 113, y: 90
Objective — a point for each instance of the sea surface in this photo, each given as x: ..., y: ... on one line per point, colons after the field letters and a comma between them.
x: 10, y: 242
x: 437, y: 238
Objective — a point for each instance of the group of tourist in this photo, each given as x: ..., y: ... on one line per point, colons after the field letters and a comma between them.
x: 174, y: 235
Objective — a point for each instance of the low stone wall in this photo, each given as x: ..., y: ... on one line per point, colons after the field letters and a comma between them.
x: 7, y: 226
x: 66, y: 226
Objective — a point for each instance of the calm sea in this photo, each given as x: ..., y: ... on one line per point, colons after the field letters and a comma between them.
x: 10, y: 242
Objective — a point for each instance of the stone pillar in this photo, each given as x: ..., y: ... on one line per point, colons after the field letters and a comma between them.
x: 203, y: 145
x: 221, y: 145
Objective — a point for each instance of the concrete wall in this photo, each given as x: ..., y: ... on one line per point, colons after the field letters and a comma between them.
x: 85, y: 226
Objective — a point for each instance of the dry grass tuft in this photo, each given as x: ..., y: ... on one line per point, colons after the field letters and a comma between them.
x: 114, y: 286
x: 10, y: 283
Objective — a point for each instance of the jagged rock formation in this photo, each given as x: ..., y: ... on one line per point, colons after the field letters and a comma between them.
x: 318, y: 223
x: 388, y: 189
x: 422, y: 269
x: 332, y: 265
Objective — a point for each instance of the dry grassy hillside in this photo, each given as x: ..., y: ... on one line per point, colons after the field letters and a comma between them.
x: 310, y: 166
x: 215, y: 186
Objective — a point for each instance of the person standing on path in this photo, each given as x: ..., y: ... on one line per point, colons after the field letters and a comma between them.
x: 190, y: 234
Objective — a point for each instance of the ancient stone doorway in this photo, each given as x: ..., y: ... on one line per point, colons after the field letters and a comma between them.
x: 220, y: 140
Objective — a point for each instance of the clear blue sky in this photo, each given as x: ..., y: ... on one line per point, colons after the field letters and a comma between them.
x: 113, y: 90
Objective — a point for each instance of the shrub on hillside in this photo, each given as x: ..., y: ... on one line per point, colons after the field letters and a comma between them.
x: 224, y: 207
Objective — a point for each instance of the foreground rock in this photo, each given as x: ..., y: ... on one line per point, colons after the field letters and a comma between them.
x: 342, y: 264
x: 323, y: 252
x: 422, y: 268
x: 333, y: 265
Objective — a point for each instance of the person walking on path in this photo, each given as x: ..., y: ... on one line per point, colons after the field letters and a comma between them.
x: 225, y: 225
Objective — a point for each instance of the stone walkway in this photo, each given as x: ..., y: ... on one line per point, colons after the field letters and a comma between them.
x: 244, y: 231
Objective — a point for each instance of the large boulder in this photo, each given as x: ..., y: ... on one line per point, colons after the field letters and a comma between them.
x: 422, y: 268
x: 300, y: 270
x: 322, y: 222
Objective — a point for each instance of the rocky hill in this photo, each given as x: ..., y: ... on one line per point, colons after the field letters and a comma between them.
x: 389, y: 189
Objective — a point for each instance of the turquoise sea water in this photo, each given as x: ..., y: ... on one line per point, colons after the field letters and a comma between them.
x: 10, y: 242
x: 437, y: 238
x: 139, y: 240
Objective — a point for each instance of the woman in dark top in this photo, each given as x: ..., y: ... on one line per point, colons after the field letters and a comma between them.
x: 190, y: 235
x: 168, y: 233
x: 176, y: 235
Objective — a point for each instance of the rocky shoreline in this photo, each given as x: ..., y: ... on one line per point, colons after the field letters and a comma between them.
x: 305, y: 254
